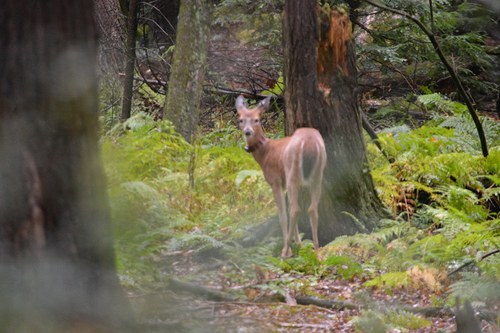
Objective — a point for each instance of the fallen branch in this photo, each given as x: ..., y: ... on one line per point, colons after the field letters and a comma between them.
x: 208, y: 293
x: 299, y: 325
x: 326, y: 303
x: 331, y: 304
x: 150, y: 82
x: 218, y: 90
x: 340, y: 305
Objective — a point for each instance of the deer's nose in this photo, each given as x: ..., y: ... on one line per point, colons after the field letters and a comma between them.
x: 248, y: 132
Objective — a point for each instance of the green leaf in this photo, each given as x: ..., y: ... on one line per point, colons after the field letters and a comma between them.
x: 345, y: 267
x: 244, y: 174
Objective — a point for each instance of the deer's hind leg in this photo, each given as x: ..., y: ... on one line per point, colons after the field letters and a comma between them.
x: 279, y: 198
x: 313, y: 213
x: 293, y: 210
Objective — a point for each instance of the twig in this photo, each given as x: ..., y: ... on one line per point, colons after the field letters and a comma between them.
x: 227, y: 91
x: 150, y: 82
x: 484, y: 256
x: 299, y: 325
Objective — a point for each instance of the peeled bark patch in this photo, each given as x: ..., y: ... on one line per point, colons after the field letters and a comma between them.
x: 332, y: 46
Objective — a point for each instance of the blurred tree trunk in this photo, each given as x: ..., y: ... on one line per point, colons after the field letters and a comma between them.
x: 320, y: 81
x: 57, y: 267
x: 128, y: 82
x: 185, y: 86
x: 111, y: 28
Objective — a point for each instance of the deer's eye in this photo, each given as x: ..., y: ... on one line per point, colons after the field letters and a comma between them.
x: 256, y: 121
x: 241, y: 121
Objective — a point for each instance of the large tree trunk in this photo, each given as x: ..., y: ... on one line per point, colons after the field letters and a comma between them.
x: 188, y: 71
x: 320, y: 81
x: 111, y: 27
x: 128, y: 82
x: 57, y: 267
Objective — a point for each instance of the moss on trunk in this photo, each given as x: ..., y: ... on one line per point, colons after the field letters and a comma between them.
x: 185, y: 86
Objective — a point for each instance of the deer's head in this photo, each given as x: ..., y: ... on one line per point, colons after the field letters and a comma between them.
x: 249, y: 121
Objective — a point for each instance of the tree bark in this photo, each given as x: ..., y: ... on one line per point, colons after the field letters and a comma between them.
x: 128, y: 82
x: 57, y: 267
x: 320, y: 92
x: 188, y: 71
x: 111, y: 29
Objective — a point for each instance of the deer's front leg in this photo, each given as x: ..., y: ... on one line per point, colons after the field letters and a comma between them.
x: 279, y: 198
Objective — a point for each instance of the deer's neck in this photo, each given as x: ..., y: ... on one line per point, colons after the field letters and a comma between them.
x: 262, y: 150
x: 256, y: 144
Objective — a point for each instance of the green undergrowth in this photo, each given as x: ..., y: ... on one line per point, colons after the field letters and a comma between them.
x: 167, y: 195
x: 377, y: 322
x: 307, y: 261
x: 445, y: 200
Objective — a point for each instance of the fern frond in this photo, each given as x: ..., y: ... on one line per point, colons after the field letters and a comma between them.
x: 140, y: 120
x: 476, y: 287
x: 407, y: 320
x: 141, y: 189
x: 370, y: 321
x: 197, y: 241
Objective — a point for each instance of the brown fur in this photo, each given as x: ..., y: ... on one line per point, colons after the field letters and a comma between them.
x: 288, y: 164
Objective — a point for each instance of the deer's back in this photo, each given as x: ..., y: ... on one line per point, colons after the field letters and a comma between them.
x: 305, y: 155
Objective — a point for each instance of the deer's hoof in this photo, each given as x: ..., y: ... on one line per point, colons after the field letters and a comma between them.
x: 286, y: 252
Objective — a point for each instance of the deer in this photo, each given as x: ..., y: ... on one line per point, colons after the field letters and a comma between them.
x: 288, y: 164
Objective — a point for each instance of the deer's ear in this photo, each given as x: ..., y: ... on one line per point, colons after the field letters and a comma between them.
x: 240, y: 104
x: 264, y: 104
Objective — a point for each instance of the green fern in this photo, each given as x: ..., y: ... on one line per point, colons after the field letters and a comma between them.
x: 389, y: 281
x: 431, y: 249
x: 370, y: 322
x: 244, y: 174
x: 407, y: 320
x: 466, y: 132
x: 306, y: 261
x: 363, y: 246
x: 458, y: 238
x: 140, y: 121
x: 344, y: 267
x: 477, y: 287
x: 143, y: 190
x: 197, y: 242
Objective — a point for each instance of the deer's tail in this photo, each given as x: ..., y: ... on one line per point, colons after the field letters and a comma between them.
x: 311, y: 161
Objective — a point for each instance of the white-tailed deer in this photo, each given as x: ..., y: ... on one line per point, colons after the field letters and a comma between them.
x: 288, y: 164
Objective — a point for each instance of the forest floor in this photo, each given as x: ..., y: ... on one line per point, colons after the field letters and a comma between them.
x: 225, y: 297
